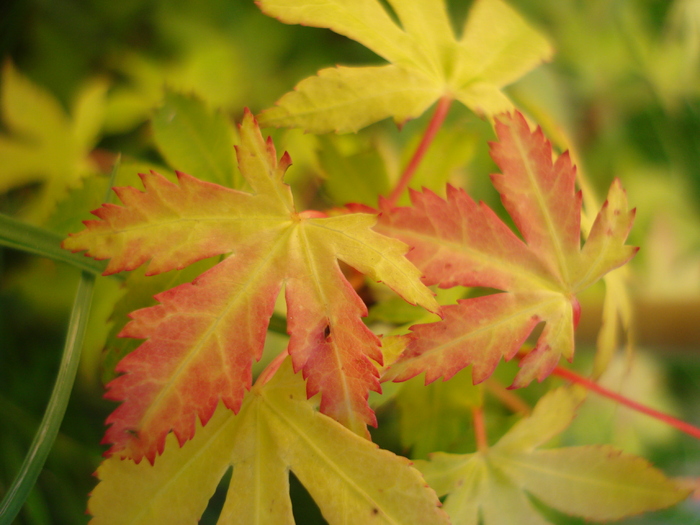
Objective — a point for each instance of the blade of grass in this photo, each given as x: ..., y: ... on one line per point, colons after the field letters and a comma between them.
x: 50, y: 424
x: 28, y: 238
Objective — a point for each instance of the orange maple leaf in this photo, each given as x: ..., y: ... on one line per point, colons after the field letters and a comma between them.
x: 202, y: 338
x: 459, y: 242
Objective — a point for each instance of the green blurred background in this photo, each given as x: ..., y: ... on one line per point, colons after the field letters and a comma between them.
x: 623, y: 90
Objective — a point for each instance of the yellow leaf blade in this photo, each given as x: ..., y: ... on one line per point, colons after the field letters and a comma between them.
x: 276, y: 430
x: 344, y: 99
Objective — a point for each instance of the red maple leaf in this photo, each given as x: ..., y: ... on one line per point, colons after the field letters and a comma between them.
x: 459, y: 242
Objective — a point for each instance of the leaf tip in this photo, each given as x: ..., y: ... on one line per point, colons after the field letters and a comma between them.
x: 285, y: 161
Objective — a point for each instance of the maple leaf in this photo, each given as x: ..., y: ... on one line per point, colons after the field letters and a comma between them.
x: 427, y: 61
x: 203, y: 336
x: 276, y: 430
x: 596, y: 482
x: 459, y: 242
x: 195, y: 139
x: 43, y: 144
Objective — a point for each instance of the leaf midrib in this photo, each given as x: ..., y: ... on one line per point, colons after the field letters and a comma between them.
x: 172, y: 384
x: 332, y: 465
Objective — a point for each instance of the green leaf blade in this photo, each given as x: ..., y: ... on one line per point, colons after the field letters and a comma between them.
x: 196, y: 140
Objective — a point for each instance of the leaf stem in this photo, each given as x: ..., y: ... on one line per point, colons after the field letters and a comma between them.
x: 507, y: 397
x: 482, y: 443
x: 436, y: 121
x: 45, y: 436
x: 598, y: 389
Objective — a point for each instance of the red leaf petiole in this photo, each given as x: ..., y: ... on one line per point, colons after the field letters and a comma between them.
x: 598, y: 389
x: 436, y: 121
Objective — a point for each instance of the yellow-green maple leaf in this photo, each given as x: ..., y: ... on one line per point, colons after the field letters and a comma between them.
x: 202, y: 338
x: 428, y: 61
x: 596, y: 482
x: 45, y: 145
x: 276, y: 430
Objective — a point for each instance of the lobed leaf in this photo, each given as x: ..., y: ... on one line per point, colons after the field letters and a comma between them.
x: 459, y: 242
x: 195, y: 139
x: 276, y: 430
x: 481, y: 330
x: 202, y: 338
x: 427, y: 61
x: 594, y: 482
x: 41, y: 143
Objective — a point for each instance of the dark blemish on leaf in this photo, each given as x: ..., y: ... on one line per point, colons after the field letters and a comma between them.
x: 375, y: 511
x: 326, y: 332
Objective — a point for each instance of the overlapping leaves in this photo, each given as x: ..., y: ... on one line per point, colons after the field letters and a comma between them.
x: 203, y: 336
x: 276, y: 430
x: 427, y: 61
x: 459, y: 242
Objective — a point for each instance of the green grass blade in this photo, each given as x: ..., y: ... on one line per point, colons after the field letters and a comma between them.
x: 50, y: 424
x: 28, y: 238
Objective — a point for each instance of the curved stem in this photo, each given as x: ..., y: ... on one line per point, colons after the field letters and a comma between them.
x: 598, y: 389
x: 436, y: 121
x: 50, y: 424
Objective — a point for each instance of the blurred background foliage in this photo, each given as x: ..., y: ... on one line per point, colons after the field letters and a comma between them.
x: 84, y: 80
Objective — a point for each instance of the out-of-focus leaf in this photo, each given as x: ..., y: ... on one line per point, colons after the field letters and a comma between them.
x: 594, y: 482
x: 639, y: 376
x: 44, y: 144
x: 207, y: 65
x: 450, y: 151
x: 359, y: 176
x: 436, y: 417
x: 196, y: 139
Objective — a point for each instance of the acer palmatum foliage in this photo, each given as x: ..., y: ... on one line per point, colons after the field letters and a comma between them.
x: 459, y: 242
x: 203, y: 337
